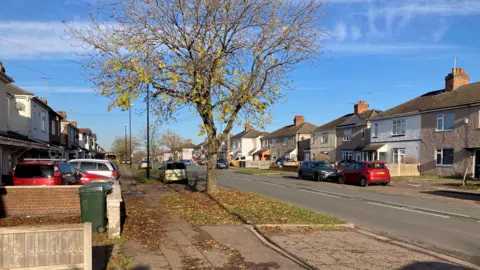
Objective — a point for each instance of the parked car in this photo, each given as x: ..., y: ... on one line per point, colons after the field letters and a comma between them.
x: 365, y: 173
x: 316, y: 170
x: 186, y: 162
x: 281, y: 160
x: 44, y: 173
x: 86, y: 177
x: 343, y: 163
x: 97, y: 166
x: 143, y: 164
x: 222, y: 163
x: 173, y: 171
x: 202, y: 162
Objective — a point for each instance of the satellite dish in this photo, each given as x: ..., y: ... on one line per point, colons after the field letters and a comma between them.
x: 20, y: 106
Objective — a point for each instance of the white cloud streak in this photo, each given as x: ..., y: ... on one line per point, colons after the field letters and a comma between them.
x: 356, y: 48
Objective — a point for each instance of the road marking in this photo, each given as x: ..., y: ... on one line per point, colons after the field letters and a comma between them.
x: 272, y: 184
x: 428, y: 209
x: 406, y: 209
x: 319, y: 193
x: 244, y: 178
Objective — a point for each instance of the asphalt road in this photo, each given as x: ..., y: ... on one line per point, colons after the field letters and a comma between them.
x: 450, y: 228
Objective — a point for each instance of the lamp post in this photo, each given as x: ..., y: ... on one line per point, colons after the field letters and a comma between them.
x: 130, y: 127
x: 148, y: 131
x: 126, y: 151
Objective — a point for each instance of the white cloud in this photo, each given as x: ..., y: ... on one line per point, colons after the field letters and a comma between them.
x: 340, y: 31
x: 356, y: 32
x: 359, y: 48
x: 36, y: 39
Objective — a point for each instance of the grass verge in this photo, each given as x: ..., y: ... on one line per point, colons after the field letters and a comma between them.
x: 256, y: 171
x: 197, y: 208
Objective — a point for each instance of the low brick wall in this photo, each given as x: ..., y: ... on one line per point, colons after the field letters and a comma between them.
x: 34, y: 200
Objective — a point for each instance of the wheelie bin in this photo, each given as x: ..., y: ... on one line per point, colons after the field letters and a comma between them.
x: 93, y: 201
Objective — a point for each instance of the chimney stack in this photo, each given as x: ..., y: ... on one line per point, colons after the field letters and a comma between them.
x: 62, y: 114
x: 189, y: 141
x: 299, y: 119
x: 44, y: 101
x: 457, y: 78
x: 74, y: 123
x: 360, y: 107
x: 248, y: 127
x: 2, y: 68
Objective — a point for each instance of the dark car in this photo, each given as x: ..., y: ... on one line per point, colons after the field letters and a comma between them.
x: 365, y: 173
x: 222, y: 163
x: 281, y: 160
x: 316, y: 170
x: 45, y: 174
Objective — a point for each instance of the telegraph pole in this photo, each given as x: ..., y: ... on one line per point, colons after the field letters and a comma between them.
x: 126, y: 151
x: 148, y: 131
x: 130, y: 127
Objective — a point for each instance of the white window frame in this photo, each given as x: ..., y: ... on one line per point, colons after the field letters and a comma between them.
x: 285, y: 141
x: 325, y: 137
x: 347, y: 137
x: 398, y: 155
x: 313, y: 138
x: 398, y: 127
x: 439, y: 162
x: 54, y: 130
x: 347, y: 155
x: 375, y: 130
x: 274, y: 142
x: 441, y: 117
x: 43, y: 121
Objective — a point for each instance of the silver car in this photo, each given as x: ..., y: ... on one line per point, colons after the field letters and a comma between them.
x: 316, y: 170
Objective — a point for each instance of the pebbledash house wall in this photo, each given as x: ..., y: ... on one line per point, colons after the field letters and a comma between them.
x: 410, y: 141
x: 318, y: 147
x: 463, y: 136
x: 356, y: 140
x: 36, y: 200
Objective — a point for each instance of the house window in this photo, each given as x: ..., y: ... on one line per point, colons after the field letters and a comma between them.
x: 54, y: 128
x: 325, y: 137
x: 398, y: 155
x: 445, y: 121
x: 375, y: 130
x: 274, y: 141
x: 398, y: 127
x: 363, y: 134
x: 347, y: 134
x: 365, y: 156
x: 313, y: 138
x: 445, y: 157
x: 313, y: 156
x: 43, y: 121
x: 285, y: 141
x: 382, y: 156
x: 293, y: 141
x: 347, y: 155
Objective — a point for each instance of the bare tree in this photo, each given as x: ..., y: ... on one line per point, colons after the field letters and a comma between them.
x: 118, y: 146
x: 154, y: 138
x: 171, y: 140
x: 228, y: 60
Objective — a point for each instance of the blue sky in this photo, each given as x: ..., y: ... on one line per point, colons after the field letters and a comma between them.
x: 381, y: 51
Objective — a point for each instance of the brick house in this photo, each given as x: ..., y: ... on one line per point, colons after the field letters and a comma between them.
x: 353, y: 134
x: 287, y: 141
x: 450, y: 127
x: 323, y: 141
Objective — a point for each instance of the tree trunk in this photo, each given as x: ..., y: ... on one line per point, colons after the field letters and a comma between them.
x: 212, y: 172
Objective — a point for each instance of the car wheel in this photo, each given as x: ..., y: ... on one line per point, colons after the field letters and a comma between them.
x: 317, y: 177
x: 340, y: 180
x: 385, y: 184
x: 300, y: 175
x: 363, y: 182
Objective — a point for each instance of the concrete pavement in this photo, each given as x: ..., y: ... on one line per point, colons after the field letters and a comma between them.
x: 450, y: 228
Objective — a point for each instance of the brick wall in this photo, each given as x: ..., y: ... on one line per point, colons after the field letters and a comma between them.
x: 25, y: 200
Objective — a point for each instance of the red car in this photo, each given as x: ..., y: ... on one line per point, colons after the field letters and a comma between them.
x: 44, y: 173
x: 86, y: 177
x: 365, y: 173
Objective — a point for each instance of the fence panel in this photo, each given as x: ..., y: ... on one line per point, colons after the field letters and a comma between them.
x: 66, y: 246
x: 403, y: 169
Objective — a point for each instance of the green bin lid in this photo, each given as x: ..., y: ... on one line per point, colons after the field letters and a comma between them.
x: 96, y: 187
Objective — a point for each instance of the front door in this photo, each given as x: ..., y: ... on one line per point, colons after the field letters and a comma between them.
x: 477, y: 164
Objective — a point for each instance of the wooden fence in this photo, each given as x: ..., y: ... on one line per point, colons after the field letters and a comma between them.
x: 66, y: 246
x: 403, y: 169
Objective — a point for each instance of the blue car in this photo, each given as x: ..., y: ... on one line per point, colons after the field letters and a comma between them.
x: 186, y: 162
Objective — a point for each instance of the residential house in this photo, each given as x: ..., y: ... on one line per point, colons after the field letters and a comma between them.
x: 70, y: 137
x: 287, y: 141
x: 323, y: 141
x: 85, y: 142
x: 353, y: 134
x: 245, y: 143
x: 450, y: 127
x: 200, y: 150
x: 185, y: 151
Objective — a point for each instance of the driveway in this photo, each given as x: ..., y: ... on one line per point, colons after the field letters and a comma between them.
x: 450, y: 228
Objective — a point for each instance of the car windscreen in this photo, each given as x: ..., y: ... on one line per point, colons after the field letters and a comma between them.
x: 376, y: 166
x: 175, y: 166
x: 322, y: 164
x: 221, y: 160
x: 113, y: 166
x: 34, y: 171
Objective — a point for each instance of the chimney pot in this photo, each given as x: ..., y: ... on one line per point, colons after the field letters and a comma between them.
x: 299, y: 119
x: 189, y: 141
x: 457, y: 78
x: 360, y: 107
x: 63, y: 114
x: 74, y: 123
x: 44, y: 101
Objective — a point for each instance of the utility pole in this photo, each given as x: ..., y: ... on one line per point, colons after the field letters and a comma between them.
x: 126, y: 151
x: 130, y: 127
x: 46, y: 89
x: 148, y: 130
